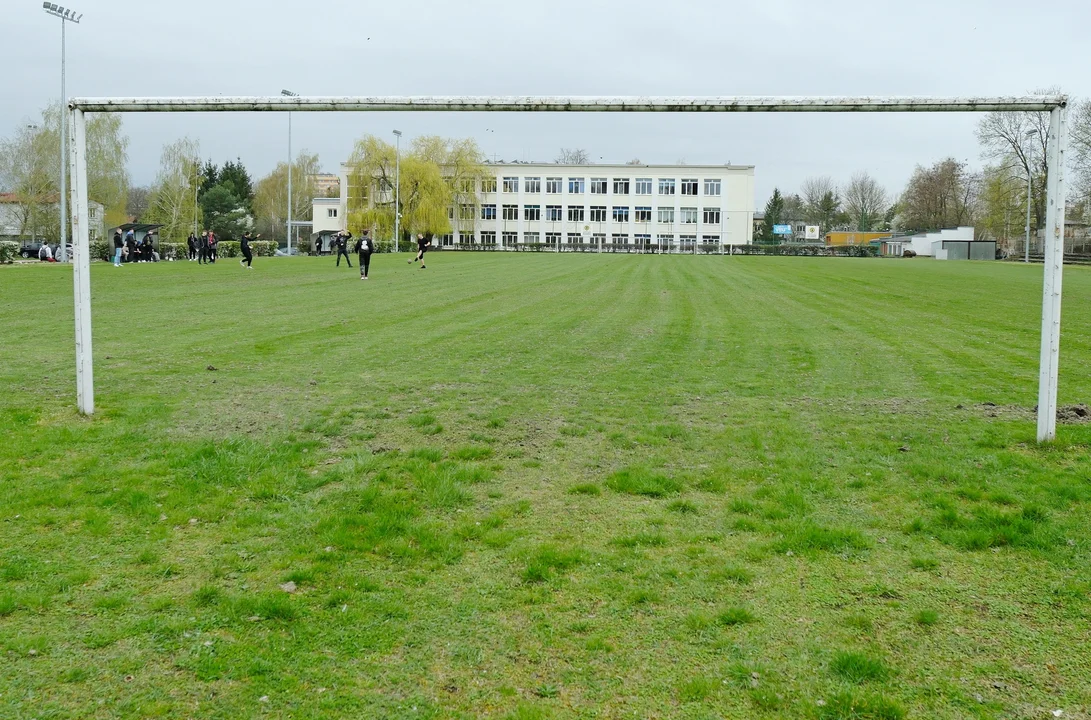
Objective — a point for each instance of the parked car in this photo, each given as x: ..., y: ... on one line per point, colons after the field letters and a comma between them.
x: 31, y: 250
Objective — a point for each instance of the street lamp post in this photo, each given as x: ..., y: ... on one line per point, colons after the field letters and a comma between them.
x: 66, y: 15
x: 1030, y: 173
x: 289, y: 93
x: 398, y: 193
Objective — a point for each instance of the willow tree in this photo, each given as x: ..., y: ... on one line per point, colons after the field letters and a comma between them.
x: 173, y: 201
x: 271, y: 195
x: 437, y: 176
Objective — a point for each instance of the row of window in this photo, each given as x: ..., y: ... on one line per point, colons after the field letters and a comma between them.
x: 530, y: 238
x: 599, y: 186
x: 576, y: 213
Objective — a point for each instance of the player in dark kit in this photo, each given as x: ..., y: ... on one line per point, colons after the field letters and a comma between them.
x: 364, y: 248
x: 422, y: 247
x: 247, y: 255
x: 342, y: 242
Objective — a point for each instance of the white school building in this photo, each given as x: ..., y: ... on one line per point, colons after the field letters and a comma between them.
x: 617, y: 207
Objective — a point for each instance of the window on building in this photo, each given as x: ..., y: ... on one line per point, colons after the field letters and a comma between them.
x: 511, y: 212
x: 689, y: 216
x: 488, y: 212
x: 467, y: 212
x: 710, y: 239
x: 598, y: 214
x: 642, y: 240
x: 643, y: 215
x: 509, y: 238
x: 621, y: 186
x: 619, y: 239
x: 488, y: 237
x: 664, y: 240
x: 451, y: 212
x: 532, y: 185
x: 687, y: 240
x: 532, y: 212
x: 575, y: 186
x: 92, y: 213
x: 331, y: 212
x: 666, y: 215
x: 598, y: 186
x: 553, y: 213
x: 574, y: 238
x: 488, y: 185
x: 643, y: 186
x: 511, y: 184
x: 621, y: 214
x: 598, y: 239
x: 712, y: 188
x: 553, y: 238
x: 689, y: 187
x: 554, y: 185
x: 575, y: 213
x: 711, y: 216
x: 532, y: 238
x: 449, y: 239
x: 666, y: 186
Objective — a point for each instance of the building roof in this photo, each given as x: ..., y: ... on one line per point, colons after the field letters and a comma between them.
x: 137, y: 227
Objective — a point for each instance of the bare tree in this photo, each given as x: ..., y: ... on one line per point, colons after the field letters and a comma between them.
x: 866, y: 201
x: 940, y: 196
x: 138, y: 202
x: 173, y: 201
x: 1004, y: 139
x: 1080, y: 137
x: 573, y: 156
x: 815, y: 188
x: 634, y: 161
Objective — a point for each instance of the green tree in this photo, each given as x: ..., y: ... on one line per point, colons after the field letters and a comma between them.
x: 234, y: 175
x: 30, y: 168
x: 225, y: 214
x: 271, y: 196
x: 173, y: 200
x: 774, y: 215
x: 1002, y: 207
x: 436, y: 175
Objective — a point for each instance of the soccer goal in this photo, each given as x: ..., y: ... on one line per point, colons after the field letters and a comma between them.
x: 1056, y: 105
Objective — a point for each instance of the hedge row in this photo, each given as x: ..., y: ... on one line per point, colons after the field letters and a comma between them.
x: 9, y: 250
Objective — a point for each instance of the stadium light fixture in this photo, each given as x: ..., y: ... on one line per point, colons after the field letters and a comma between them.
x: 67, y: 16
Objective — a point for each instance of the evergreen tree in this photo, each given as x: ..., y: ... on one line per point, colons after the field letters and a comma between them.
x: 774, y: 215
x: 234, y: 175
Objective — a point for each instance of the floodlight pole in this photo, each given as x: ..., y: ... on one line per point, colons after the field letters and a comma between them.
x: 289, y: 93
x: 66, y: 16
x: 1030, y: 172
x: 398, y: 192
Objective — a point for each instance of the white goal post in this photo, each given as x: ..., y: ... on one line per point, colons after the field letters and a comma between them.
x: 1056, y: 105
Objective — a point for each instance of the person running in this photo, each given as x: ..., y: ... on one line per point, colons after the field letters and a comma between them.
x: 364, y: 248
x: 191, y: 241
x: 117, y: 247
x: 422, y: 247
x: 247, y: 256
x: 342, y: 242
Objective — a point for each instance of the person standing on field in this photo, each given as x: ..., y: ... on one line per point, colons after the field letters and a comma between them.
x: 191, y: 254
x: 422, y: 247
x: 117, y: 247
x: 364, y: 248
x: 213, y: 247
x: 342, y: 247
x: 244, y: 245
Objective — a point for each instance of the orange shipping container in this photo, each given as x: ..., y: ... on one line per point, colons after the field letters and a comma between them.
x: 855, y: 238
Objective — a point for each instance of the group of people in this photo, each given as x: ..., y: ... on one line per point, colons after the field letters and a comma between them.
x: 365, y: 247
x: 128, y: 250
x: 203, y: 249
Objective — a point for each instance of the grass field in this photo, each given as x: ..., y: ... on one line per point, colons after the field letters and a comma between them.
x: 529, y: 486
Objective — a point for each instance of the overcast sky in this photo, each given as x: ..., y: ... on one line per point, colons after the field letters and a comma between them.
x: 560, y: 47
